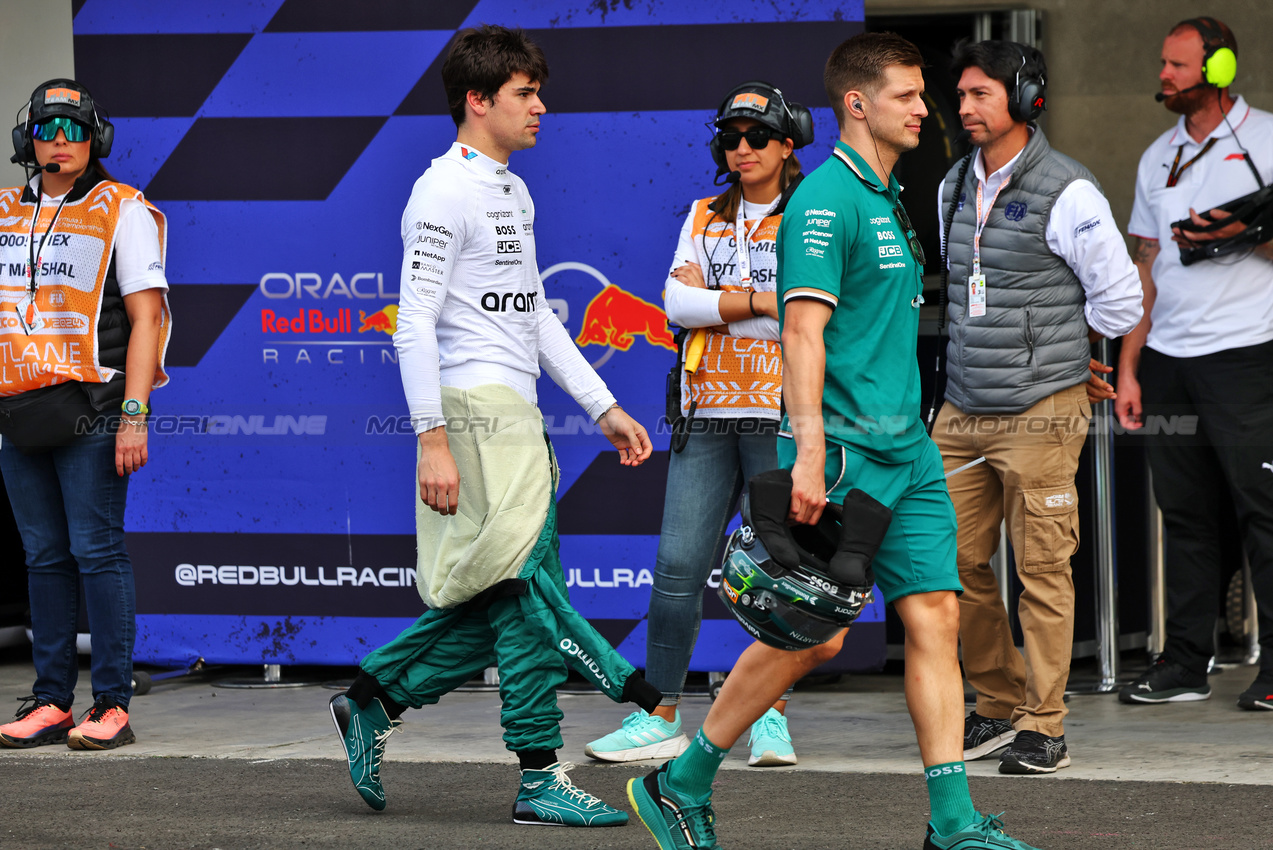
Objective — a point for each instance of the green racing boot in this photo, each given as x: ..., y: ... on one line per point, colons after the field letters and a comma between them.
x: 548, y: 798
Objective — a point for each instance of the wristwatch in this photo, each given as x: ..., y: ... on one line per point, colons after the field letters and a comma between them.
x: 133, y: 407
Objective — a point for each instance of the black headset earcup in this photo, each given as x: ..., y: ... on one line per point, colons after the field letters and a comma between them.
x: 1029, y: 100
x: 802, y: 132
x: 718, y: 154
x: 103, y: 139
x: 20, y: 143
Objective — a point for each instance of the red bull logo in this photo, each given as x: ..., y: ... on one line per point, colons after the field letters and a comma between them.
x: 615, y: 317
x: 384, y: 320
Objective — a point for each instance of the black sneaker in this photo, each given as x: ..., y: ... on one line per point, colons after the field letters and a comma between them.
x: 1033, y: 752
x: 1260, y: 694
x: 984, y: 735
x: 1166, y: 681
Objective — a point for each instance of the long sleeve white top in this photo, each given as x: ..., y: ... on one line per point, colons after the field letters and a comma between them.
x: 472, y: 308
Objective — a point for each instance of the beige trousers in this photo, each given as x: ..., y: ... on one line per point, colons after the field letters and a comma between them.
x: 1028, y: 477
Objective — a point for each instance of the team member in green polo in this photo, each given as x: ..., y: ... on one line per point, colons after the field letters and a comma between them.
x: 849, y: 271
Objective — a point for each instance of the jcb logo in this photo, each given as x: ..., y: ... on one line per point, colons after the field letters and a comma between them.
x: 508, y: 246
x: 890, y: 250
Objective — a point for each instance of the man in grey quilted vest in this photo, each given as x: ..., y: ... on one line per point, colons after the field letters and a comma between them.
x: 1038, y: 269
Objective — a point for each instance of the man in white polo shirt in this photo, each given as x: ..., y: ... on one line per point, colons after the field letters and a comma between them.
x: 1203, y: 354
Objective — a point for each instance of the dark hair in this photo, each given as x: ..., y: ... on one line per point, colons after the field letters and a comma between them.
x: 726, y: 203
x: 999, y: 60
x: 1209, y: 41
x: 859, y: 64
x: 482, y: 59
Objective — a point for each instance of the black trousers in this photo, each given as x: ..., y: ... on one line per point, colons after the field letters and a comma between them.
x: 1209, y: 429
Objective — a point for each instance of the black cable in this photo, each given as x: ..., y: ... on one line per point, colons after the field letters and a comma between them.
x: 943, y: 297
x: 1246, y: 155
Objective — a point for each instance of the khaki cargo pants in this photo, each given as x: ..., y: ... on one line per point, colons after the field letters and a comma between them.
x: 1028, y: 477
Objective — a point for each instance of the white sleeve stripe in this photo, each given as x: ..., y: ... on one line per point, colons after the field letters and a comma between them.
x: 811, y: 294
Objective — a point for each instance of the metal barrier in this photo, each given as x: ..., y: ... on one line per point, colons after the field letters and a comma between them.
x: 1106, y: 561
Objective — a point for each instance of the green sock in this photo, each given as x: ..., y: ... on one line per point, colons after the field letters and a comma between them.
x: 948, y: 797
x: 692, y: 771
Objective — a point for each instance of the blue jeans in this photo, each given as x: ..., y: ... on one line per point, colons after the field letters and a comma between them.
x: 703, y: 485
x: 69, y: 507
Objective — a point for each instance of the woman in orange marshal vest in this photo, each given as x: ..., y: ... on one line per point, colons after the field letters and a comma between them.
x: 84, y: 324
x: 730, y: 370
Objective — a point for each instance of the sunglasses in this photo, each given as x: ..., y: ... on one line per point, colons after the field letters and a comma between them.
x: 916, y: 249
x: 757, y: 137
x: 46, y: 130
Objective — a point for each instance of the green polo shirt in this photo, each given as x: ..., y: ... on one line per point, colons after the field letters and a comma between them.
x: 841, y: 237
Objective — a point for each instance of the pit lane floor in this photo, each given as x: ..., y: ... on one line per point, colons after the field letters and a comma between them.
x: 221, y: 768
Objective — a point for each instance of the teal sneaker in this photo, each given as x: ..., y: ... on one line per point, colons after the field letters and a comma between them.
x: 548, y: 798
x: 677, y: 821
x: 363, y: 733
x: 642, y: 736
x: 985, y: 832
x: 770, y: 741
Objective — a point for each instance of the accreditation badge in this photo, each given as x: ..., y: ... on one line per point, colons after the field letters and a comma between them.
x: 976, y: 295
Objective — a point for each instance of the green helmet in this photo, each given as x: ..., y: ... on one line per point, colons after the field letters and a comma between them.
x: 818, y: 579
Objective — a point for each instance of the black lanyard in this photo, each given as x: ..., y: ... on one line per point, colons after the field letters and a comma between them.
x: 33, y: 262
x: 1178, y: 170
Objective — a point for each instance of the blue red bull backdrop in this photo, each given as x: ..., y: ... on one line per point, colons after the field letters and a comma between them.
x: 275, y: 521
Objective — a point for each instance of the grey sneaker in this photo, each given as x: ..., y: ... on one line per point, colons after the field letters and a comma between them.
x: 1033, y: 752
x: 984, y: 735
x: 1166, y: 681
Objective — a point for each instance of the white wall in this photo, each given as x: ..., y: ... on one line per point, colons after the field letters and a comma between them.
x: 35, y: 45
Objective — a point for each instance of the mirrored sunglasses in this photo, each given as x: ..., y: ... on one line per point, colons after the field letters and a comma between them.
x: 46, y: 130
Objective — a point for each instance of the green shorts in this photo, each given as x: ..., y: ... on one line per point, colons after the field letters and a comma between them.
x: 918, y: 552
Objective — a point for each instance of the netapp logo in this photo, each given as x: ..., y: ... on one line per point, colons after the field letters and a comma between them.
x: 432, y: 256
x: 191, y: 575
x: 523, y: 302
x: 436, y: 228
x: 508, y: 246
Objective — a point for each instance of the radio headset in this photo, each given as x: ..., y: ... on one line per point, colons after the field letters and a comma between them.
x: 1026, y: 102
x: 1219, y: 70
x: 86, y: 112
x: 792, y: 120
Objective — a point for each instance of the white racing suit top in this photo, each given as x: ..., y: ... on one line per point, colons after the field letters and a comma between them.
x: 472, y: 309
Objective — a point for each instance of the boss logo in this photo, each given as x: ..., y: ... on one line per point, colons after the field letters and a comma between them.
x: 890, y: 250
x: 508, y: 246
x: 505, y: 230
x: 822, y: 584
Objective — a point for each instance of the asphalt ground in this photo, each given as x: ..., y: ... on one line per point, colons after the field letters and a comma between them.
x: 142, y: 802
x: 215, y: 767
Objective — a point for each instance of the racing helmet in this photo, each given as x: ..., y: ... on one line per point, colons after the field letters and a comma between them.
x: 793, y: 587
